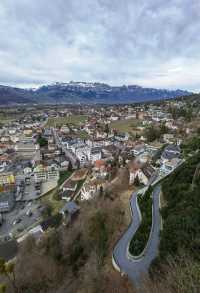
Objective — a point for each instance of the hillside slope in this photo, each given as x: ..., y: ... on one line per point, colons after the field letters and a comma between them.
x: 180, y: 237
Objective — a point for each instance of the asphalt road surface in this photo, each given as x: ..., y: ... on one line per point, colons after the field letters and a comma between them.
x: 137, y: 269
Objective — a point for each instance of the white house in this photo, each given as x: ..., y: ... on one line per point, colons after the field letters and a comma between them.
x: 82, y: 154
x: 143, y: 174
x: 69, y: 185
x: 27, y: 170
x: 95, y: 154
x: 169, y: 166
x: 88, y: 191
x: 138, y: 150
x: 65, y: 129
x: 144, y: 157
x: 168, y: 137
x: 43, y: 174
x: 170, y: 152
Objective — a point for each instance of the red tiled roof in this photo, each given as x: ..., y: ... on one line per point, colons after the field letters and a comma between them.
x: 99, y: 163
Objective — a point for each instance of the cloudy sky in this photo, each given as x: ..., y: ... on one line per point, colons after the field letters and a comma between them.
x: 154, y: 43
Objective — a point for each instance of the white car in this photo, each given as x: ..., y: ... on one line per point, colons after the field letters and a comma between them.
x: 29, y: 213
x: 16, y: 221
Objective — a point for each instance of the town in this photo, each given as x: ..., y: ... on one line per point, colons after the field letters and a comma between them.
x: 99, y: 146
x: 54, y: 158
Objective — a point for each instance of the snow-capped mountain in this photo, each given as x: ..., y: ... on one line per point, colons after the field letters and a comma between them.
x: 86, y: 93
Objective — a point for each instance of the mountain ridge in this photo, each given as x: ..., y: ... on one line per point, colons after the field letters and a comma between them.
x: 85, y: 93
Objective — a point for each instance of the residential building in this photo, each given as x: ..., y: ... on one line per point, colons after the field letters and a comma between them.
x: 42, y: 174
x: 7, y: 178
x: 170, y: 152
x: 7, y: 201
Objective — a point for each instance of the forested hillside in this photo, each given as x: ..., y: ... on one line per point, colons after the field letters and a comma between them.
x: 180, y: 237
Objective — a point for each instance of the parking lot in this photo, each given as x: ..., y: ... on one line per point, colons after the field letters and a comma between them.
x: 47, y: 186
x: 19, y: 219
x: 27, y: 210
x: 31, y: 190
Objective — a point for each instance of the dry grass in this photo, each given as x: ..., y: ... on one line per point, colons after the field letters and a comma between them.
x: 129, y: 125
x: 125, y: 199
x: 49, y: 200
x: 79, y: 174
x: 75, y: 120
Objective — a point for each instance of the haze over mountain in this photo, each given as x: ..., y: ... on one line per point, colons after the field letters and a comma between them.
x: 86, y: 93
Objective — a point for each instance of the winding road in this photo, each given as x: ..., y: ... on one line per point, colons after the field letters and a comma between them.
x: 136, y: 269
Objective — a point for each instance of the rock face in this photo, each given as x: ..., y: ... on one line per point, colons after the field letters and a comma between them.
x: 85, y: 93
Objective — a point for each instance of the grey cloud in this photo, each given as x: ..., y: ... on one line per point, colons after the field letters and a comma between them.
x: 114, y: 41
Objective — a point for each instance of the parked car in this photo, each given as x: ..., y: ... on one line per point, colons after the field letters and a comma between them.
x: 37, y: 186
x: 17, y: 221
x: 7, y: 238
x: 20, y: 229
x: 29, y: 213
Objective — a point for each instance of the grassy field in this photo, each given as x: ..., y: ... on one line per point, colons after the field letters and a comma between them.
x: 129, y: 125
x: 82, y: 134
x: 75, y: 120
x: 78, y: 188
x: 79, y: 185
x: 6, y: 118
x: 63, y: 176
x: 49, y: 199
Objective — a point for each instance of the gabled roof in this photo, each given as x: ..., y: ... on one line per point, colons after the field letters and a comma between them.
x: 171, y: 152
x: 172, y: 148
x: 70, y: 207
x: 70, y: 184
x: 148, y: 170
x: 67, y: 194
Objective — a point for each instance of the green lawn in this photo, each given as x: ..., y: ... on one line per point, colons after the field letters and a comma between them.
x: 52, y: 199
x: 63, y: 176
x: 82, y: 134
x: 75, y: 120
x: 129, y: 125
x: 49, y: 199
x: 5, y: 118
x: 79, y: 185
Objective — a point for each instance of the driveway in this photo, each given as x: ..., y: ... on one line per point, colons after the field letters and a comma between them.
x: 136, y: 269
